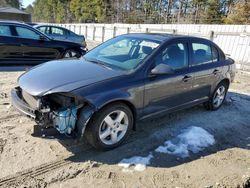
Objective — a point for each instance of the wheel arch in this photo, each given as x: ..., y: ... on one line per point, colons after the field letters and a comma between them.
x: 223, y: 80
x: 88, y: 111
x: 127, y: 103
x: 226, y: 81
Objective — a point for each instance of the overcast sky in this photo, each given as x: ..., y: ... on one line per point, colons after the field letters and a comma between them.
x: 25, y: 3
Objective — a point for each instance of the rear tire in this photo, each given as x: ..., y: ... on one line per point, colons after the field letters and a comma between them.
x: 218, y: 97
x: 110, y: 126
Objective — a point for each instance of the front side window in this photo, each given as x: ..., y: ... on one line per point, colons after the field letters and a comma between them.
x: 5, y: 30
x: 27, y: 33
x: 56, y: 31
x: 174, y: 55
x: 123, y: 52
x: 202, y: 54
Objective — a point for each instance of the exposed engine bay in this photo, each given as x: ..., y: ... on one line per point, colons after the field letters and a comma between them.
x: 58, y: 110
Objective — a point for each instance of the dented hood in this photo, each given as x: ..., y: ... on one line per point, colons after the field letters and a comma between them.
x: 64, y: 76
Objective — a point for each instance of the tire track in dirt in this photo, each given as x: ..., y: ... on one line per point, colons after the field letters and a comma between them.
x: 18, y: 178
x: 9, y: 117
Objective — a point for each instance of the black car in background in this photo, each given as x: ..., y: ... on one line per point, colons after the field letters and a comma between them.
x: 23, y: 44
x: 60, y: 33
x: 125, y: 79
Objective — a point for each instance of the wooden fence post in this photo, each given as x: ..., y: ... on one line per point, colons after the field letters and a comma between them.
x: 103, y: 33
x: 94, y: 32
x: 86, y: 31
x: 128, y: 30
x: 211, y: 35
x: 80, y: 29
x: 114, y: 31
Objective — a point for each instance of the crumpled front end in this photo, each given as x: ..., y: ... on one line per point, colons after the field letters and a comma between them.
x: 57, y: 110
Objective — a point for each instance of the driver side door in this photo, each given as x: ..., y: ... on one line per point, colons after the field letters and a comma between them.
x: 170, y: 91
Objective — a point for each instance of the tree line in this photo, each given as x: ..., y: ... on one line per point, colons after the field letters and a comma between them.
x: 10, y: 3
x: 140, y: 11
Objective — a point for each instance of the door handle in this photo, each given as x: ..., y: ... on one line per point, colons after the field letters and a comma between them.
x: 186, y: 78
x: 216, y: 71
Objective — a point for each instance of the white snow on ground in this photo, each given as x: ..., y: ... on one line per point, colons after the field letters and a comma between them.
x: 139, y: 162
x: 192, y: 139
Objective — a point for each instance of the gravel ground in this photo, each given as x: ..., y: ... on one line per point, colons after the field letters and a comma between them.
x: 32, y: 159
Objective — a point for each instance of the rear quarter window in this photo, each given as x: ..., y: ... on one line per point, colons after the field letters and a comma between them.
x: 215, y: 54
x: 57, y: 31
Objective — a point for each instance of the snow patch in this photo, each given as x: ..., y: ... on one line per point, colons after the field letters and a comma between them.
x: 192, y: 139
x: 137, y: 161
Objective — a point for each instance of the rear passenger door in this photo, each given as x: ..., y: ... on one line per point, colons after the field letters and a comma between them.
x: 206, y: 67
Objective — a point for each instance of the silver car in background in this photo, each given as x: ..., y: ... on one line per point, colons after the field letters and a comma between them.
x: 60, y: 33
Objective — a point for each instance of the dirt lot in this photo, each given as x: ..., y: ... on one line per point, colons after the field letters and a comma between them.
x: 31, y: 158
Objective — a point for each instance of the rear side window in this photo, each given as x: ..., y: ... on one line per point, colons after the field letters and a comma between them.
x: 57, y: 31
x: 27, y: 33
x: 202, y: 54
x: 5, y: 30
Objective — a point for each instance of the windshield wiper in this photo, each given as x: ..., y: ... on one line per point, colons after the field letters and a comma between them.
x: 97, y: 62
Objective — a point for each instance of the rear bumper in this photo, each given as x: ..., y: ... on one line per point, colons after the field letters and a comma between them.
x: 20, y: 105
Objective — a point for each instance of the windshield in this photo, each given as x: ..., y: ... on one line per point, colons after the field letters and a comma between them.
x: 123, y: 52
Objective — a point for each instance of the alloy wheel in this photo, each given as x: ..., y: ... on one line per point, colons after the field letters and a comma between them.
x: 114, y: 127
x: 219, y: 96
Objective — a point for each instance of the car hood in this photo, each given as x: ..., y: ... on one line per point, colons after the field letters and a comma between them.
x: 64, y: 76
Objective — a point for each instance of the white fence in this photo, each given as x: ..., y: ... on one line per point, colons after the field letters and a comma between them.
x: 233, y: 39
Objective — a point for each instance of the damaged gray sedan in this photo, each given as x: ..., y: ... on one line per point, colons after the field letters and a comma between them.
x: 128, y: 78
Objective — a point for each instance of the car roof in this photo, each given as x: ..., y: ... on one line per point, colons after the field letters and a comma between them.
x: 162, y: 36
x: 9, y: 22
x: 47, y: 25
x: 12, y: 22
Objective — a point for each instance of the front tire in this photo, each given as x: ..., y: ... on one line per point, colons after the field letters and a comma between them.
x: 110, y: 126
x: 218, y: 97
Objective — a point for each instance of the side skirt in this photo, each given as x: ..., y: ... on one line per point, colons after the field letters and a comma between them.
x: 177, y: 108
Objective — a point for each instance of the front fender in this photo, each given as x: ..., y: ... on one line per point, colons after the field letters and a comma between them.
x: 109, y: 97
x: 83, y: 118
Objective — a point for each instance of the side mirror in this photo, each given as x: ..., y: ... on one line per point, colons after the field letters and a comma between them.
x: 162, y: 69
